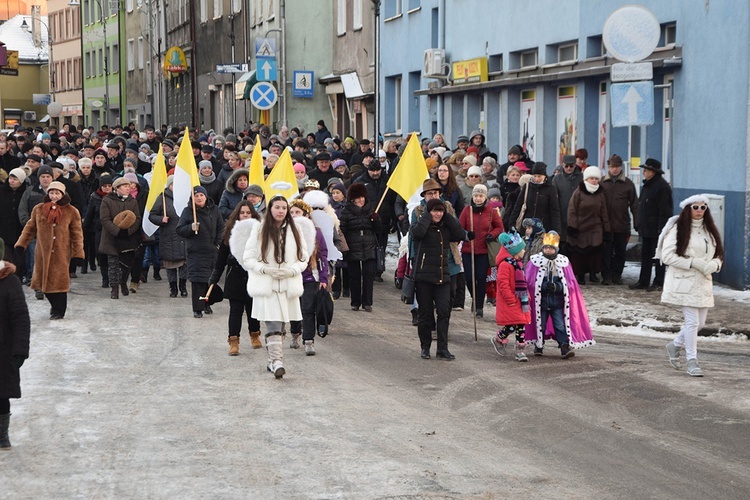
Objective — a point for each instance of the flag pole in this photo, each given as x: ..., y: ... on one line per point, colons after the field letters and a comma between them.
x: 473, y: 276
x: 382, y: 198
x: 164, y: 202
x: 195, y: 216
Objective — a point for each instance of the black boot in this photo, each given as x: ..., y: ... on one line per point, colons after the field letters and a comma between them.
x: 124, y: 289
x: 157, y: 273
x: 183, y: 288
x: 105, y: 282
x: 415, y: 317
x: 115, y: 293
x: 4, y: 439
x: 144, y: 274
x: 173, y: 289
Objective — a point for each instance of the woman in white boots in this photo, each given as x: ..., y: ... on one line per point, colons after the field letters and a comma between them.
x: 275, y: 256
x: 691, y: 247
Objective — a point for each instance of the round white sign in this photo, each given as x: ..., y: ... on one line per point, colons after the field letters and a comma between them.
x: 96, y: 103
x: 631, y: 33
x: 54, y: 109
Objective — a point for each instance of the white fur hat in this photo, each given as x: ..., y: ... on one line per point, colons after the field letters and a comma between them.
x: 696, y: 198
x: 316, y: 199
x: 592, y: 171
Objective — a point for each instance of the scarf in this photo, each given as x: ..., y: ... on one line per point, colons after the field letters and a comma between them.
x: 522, y: 291
x: 207, y: 179
x: 134, y: 192
x: 52, y: 212
x: 591, y: 188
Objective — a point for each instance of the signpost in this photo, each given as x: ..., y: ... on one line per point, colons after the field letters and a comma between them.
x: 266, y: 69
x: 303, y: 84
x: 231, y: 68
x: 632, y: 104
x: 263, y: 95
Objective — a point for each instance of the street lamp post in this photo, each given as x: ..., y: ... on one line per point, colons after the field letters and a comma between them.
x: 50, y: 62
x: 77, y: 3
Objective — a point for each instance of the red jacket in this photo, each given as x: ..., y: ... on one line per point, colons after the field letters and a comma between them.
x: 486, y: 222
x: 508, y: 309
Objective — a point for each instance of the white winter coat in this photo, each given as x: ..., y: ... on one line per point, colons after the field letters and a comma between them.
x: 276, y: 299
x: 684, y: 285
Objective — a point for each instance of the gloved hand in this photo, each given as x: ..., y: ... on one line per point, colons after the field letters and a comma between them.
x: 489, y: 238
x: 550, y: 287
x: 123, y: 233
x: 470, y: 235
x: 375, y: 216
x: 289, y: 272
x: 17, y: 361
x: 713, y: 266
x: 572, y: 231
x: 700, y: 265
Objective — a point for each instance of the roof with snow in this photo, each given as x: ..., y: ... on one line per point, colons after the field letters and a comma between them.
x: 16, y: 38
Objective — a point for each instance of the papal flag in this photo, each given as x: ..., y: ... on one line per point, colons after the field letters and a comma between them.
x: 410, y: 173
x: 185, y: 175
x: 281, y: 180
x: 256, y: 167
x: 158, y: 181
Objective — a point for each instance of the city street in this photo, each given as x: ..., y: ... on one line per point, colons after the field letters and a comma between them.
x: 136, y: 399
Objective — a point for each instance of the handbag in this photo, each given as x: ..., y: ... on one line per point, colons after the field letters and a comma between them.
x: 323, y: 311
x: 409, y: 288
x: 343, y: 245
x: 379, y: 259
x: 519, y: 221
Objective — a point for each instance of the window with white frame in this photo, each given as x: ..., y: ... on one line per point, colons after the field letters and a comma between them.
x: 218, y: 8
x: 203, y: 10
x: 131, y: 54
x: 114, y: 61
x: 357, y: 15
x: 567, y: 52
x: 341, y: 17
x: 140, y: 52
x: 529, y: 58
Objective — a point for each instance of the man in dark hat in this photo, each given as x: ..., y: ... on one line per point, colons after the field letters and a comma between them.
x: 620, y: 195
x: 654, y: 209
x: 375, y: 180
x: 114, y: 159
x: 207, y: 154
x: 323, y: 173
x: 364, y: 147
x: 566, y: 182
x: 323, y: 133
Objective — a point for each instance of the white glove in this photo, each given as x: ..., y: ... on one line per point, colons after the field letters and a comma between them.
x: 713, y: 266
x: 289, y: 272
x: 274, y: 272
x: 699, y: 265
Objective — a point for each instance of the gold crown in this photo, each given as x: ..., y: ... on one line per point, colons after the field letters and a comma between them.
x: 551, y: 239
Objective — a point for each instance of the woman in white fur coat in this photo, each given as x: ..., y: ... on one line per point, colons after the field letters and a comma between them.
x: 275, y: 256
x: 691, y: 247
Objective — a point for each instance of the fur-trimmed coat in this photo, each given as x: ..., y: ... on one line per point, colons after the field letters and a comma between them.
x: 56, y: 244
x: 232, y: 195
x: 276, y: 299
x: 15, y: 329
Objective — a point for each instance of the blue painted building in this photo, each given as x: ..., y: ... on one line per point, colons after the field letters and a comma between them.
x: 548, y: 88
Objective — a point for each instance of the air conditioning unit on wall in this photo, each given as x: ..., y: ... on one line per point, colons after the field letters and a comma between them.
x: 434, y: 60
x: 29, y: 116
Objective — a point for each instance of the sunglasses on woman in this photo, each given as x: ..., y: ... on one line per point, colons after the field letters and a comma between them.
x: 700, y: 207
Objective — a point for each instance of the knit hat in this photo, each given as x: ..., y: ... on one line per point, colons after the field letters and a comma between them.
x: 512, y: 242
x: 430, y: 163
x: 200, y: 190
x: 131, y: 177
x: 124, y: 219
x: 120, y: 181
x: 440, y: 150
x: 462, y: 138
x: 435, y: 204
x: 205, y: 163
x: 592, y: 171
x: 493, y: 191
x: 19, y: 174
x: 131, y: 161
x: 470, y: 160
x: 299, y: 203
x: 57, y: 185
x: 332, y: 181
x: 338, y: 187
x: 516, y: 150
x: 253, y: 189
x: 298, y: 167
x: 339, y: 163
x: 100, y: 152
x: 534, y: 223
x: 472, y: 149
x: 105, y: 179
x: 479, y: 189
x: 474, y: 171
x: 539, y: 168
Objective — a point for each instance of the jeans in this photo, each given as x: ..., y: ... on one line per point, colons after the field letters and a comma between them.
x: 151, y: 257
x: 236, y: 308
x: 558, y: 322
x: 481, y: 265
x: 30, y: 258
x: 361, y: 277
x: 695, y: 318
x: 431, y: 298
x: 613, y: 260
x: 648, y: 249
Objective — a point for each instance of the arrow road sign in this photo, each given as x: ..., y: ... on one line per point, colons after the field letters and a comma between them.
x: 632, y: 104
x: 263, y: 95
x: 266, y: 68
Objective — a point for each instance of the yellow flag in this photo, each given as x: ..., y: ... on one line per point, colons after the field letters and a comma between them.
x: 256, y: 167
x: 281, y: 180
x: 185, y: 174
x: 158, y: 181
x: 410, y: 172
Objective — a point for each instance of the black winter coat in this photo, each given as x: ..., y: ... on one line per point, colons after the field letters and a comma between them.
x: 359, y: 231
x: 566, y: 186
x: 89, y: 185
x: 654, y: 206
x: 15, y: 328
x: 201, y: 247
x: 433, y: 247
x: 92, y: 220
x: 375, y: 190
x: 10, y: 225
x: 235, y: 285
x: 171, y: 244
x: 541, y: 203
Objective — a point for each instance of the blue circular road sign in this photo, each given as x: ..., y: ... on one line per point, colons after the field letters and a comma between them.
x: 263, y: 95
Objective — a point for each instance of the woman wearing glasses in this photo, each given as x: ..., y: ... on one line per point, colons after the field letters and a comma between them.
x: 691, y: 247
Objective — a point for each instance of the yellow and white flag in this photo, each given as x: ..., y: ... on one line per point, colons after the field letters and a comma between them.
x: 281, y: 180
x: 256, y: 167
x: 185, y: 175
x: 158, y: 183
x: 410, y: 172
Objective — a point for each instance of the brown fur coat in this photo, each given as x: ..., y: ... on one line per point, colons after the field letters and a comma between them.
x: 56, y: 244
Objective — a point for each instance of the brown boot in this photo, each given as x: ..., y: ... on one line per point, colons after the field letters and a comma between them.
x: 234, y: 346
x: 115, y: 294
x: 255, y: 340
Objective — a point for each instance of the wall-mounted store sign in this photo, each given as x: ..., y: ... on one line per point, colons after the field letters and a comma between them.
x: 175, y: 61
x: 470, y: 71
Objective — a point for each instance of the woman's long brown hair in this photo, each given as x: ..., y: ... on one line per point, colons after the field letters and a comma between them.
x: 451, y: 186
x: 277, y: 234
x: 235, y: 216
x: 684, y: 223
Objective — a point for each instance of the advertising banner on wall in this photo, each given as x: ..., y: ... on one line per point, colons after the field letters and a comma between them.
x: 528, y: 123
x: 567, y: 123
x: 602, y: 156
